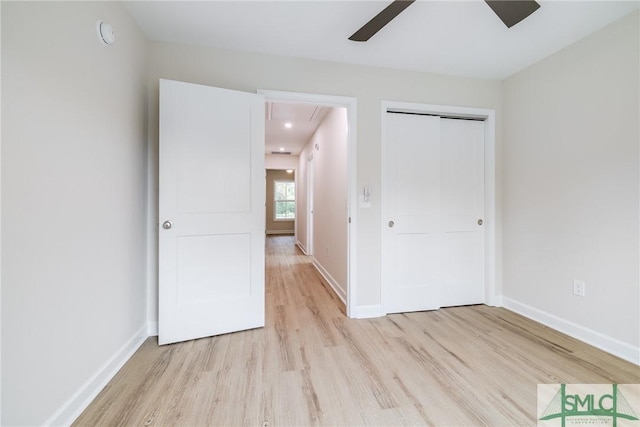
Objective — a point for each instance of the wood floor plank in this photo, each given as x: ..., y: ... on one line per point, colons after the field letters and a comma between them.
x: 312, y: 366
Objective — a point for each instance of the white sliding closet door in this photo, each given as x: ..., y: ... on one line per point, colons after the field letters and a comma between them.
x: 433, y: 195
x: 461, y: 212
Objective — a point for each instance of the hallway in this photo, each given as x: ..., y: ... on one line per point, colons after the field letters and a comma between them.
x: 311, y: 365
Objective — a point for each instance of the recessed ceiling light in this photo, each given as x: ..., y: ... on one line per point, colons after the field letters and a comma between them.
x: 288, y: 125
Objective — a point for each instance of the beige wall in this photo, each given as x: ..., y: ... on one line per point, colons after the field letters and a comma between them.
x: 74, y: 170
x: 302, y: 201
x: 73, y: 201
x: 571, y: 195
x: 272, y: 226
x: 250, y: 71
x: 280, y: 161
x: 328, y: 146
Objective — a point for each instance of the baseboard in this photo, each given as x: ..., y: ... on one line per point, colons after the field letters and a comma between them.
x: 301, y: 246
x: 337, y: 289
x: 78, y: 402
x: 368, y: 311
x: 495, y: 301
x: 610, y: 345
x: 152, y: 329
x: 289, y: 232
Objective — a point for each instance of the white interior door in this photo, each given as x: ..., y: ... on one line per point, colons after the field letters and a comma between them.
x: 462, y: 212
x: 433, y: 196
x: 211, y: 211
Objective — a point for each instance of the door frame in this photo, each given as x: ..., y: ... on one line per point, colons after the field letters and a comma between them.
x: 350, y: 103
x: 295, y: 180
x: 310, y: 205
x: 488, y: 117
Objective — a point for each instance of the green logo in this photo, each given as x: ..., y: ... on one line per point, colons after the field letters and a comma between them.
x: 588, y: 404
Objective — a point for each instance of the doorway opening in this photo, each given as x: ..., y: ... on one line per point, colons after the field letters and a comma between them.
x: 280, y: 212
x: 325, y: 180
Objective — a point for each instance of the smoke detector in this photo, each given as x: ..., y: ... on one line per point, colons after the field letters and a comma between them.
x: 105, y: 33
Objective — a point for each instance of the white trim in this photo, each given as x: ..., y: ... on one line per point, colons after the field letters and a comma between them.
x: 496, y: 301
x: 1, y: 400
x: 351, y: 104
x: 289, y: 232
x: 603, y: 342
x: 301, y: 246
x: 488, y: 115
x: 310, y: 195
x: 369, y: 311
x: 337, y: 289
x: 84, y: 395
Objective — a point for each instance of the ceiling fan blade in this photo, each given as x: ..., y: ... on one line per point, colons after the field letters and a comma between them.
x: 380, y: 20
x: 512, y: 11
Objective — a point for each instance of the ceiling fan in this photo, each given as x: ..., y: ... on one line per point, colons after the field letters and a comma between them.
x: 509, y: 11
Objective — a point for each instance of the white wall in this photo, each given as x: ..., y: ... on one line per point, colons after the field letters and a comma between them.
x: 251, y: 71
x: 328, y: 145
x: 571, y: 195
x: 73, y: 202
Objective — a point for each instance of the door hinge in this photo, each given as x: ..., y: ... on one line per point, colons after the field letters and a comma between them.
x: 349, y: 220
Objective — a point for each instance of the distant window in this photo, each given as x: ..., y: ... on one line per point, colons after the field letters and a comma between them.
x: 284, y: 200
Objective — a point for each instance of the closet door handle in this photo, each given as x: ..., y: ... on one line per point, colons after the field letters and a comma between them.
x: 391, y: 224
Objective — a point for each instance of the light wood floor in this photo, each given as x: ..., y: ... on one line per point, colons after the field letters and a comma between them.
x: 311, y: 365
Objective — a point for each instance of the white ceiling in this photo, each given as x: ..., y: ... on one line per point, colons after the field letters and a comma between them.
x: 463, y: 38
x: 304, y: 119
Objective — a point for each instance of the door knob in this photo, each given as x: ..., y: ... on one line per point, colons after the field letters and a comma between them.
x: 479, y: 222
x: 391, y: 224
x: 167, y: 225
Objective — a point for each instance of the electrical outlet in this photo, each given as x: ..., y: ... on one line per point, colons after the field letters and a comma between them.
x: 579, y: 288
